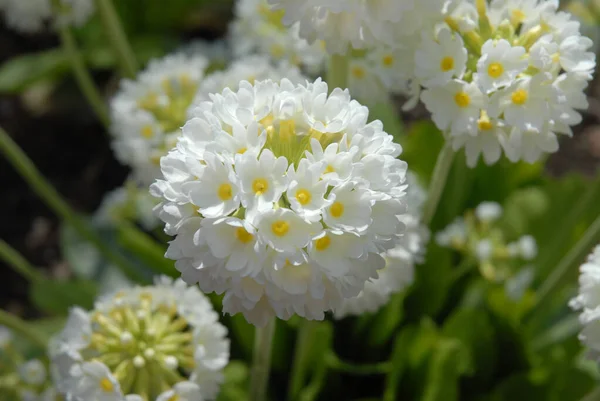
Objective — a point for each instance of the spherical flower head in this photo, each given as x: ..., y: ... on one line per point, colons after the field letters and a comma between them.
x: 344, y: 24
x: 26, y: 16
x: 144, y: 343
x: 488, y: 211
x: 74, y: 12
x: 147, y: 114
x: 258, y: 29
x: 588, y: 302
x: 283, y: 197
x: 520, y: 55
x: 400, y: 261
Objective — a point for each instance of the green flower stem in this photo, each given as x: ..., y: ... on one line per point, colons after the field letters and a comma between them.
x: 438, y: 182
x: 569, y: 262
x: 19, y: 264
x: 337, y: 73
x: 334, y: 363
x: 118, y: 38
x: 82, y: 75
x: 594, y: 395
x: 300, y: 364
x: 48, y: 194
x: 22, y: 328
x: 261, y: 361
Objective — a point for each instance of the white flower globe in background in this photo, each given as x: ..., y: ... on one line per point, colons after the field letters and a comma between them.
x: 157, y: 343
x: 588, y: 302
x: 283, y: 197
x: 31, y: 16
x: 523, y: 86
x: 400, y: 261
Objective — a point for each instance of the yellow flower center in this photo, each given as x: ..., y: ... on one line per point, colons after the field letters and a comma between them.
x: 260, y: 186
x: 329, y: 169
x: 224, y: 192
x: 519, y: 97
x: 462, y: 99
x: 303, y: 196
x: 243, y: 236
x: 358, y: 72
x: 147, y: 131
x: 495, y: 70
x: 106, y: 385
x: 241, y: 151
x: 388, y: 60
x: 175, y: 397
x: 517, y: 16
x: 322, y: 243
x: 337, y: 209
x: 280, y: 228
x: 447, y: 63
x: 484, y: 124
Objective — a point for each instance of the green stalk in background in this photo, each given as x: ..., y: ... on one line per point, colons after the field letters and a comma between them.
x: 438, y: 182
x: 118, y: 38
x: 337, y: 72
x: 24, y: 166
x: 19, y: 264
x: 261, y: 361
x: 82, y: 75
x: 22, y: 328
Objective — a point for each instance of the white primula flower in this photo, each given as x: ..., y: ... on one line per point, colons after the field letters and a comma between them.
x: 74, y: 12
x: 455, y: 106
x: 488, y: 211
x: 528, y: 60
x: 341, y: 24
x: 440, y: 60
x: 26, y: 16
x: 33, y: 372
x: 400, y: 261
x: 454, y: 235
x: 588, y: 302
x: 147, y: 114
x: 321, y: 199
x: 117, y: 348
x: 499, y: 65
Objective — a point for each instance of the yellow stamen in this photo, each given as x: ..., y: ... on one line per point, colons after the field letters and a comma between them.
x: 519, y: 97
x: 447, y: 63
x: 322, y: 243
x: 243, y: 236
x: 106, y: 385
x: 260, y: 186
x: 280, y: 228
x: 462, y: 99
x: 337, y: 209
x: 303, y: 196
x: 495, y: 70
x: 224, y: 192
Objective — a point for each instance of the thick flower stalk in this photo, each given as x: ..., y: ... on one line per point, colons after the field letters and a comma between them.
x: 400, y: 261
x: 158, y: 343
x: 504, y: 77
x: 31, y: 16
x: 257, y: 29
x: 480, y: 238
x: 346, y: 24
x: 22, y: 378
x: 282, y: 197
x: 587, y: 302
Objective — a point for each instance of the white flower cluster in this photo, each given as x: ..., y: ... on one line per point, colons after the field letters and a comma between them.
x: 30, y: 16
x: 588, y: 303
x: 258, y: 30
x: 147, y: 114
x: 505, y: 76
x: 128, y: 202
x: 162, y: 343
x: 20, y: 378
x: 478, y: 236
x: 283, y: 197
x: 345, y: 24
x: 400, y: 261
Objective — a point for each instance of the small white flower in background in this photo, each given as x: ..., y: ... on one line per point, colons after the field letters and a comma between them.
x: 152, y: 343
x: 479, y: 236
x: 258, y: 29
x: 274, y: 142
x: 6, y: 337
x: 400, y: 261
x: 217, y: 52
x: 147, y: 114
x: 33, y: 372
x: 129, y: 202
x: 588, y: 302
x: 31, y: 16
x: 344, y: 24
x: 528, y: 71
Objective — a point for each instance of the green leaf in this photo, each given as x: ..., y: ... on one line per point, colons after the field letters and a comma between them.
x: 519, y: 387
x: 450, y: 360
x: 421, y: 146
x: 236, y: 382
x: 472, y: 327
x: 386, y: 321
x: 18, y: 73
x: 388, y: 114
x: 523, y: 207
x: 56, y: 297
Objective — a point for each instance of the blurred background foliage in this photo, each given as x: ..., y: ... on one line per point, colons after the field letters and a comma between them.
x: 449, y: 337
